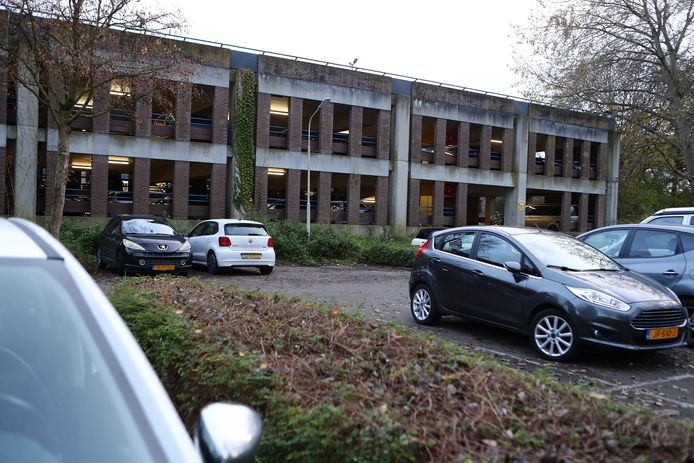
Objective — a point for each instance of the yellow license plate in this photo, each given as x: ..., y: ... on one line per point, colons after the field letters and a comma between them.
x: 164, y: 267
x: 663, y: 333
x: 248, y: 255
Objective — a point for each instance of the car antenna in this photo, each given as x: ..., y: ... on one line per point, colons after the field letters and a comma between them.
x: 538, y: 227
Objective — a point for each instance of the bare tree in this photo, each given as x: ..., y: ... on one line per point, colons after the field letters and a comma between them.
x: 66, y: 52
x: 633, y: 59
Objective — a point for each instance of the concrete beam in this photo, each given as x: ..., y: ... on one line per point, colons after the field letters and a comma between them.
x: 559, y: 129
x: 453, y: 112
x: 461, y: 175
x: 334, y: 163
x: 612, y: 187
x: 318, y: 91
x: 574, y: 185
x: 514, y: 204
x: 399, y: 163
x: 26, y: 154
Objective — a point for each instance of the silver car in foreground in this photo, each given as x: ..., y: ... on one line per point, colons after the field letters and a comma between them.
x: 74, y: 384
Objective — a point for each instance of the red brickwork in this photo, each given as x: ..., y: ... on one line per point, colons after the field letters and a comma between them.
x: 184, y: 96
x: 507, y: 150
x: 353, y: 197
x: 325, y: 137
x: 3, y: 174
x: 218, y: 182
x: 260, y: 188
x: 181, y: 185
x: 416, y: 139
x: 220, y: 114
x: 99, y: 186
x: 485, y: 147
x: 568, y: 157
x: 532, y: 146
x: 51, y: 163
x: 437, y: 204
x: 262, y: 129
x: 140, y: 186
x: 356, y: 122
x: 585, y: 159
x: 602, y: 163
x: 381, y: 209
x: 583, y: 212
x: 550, y: 148
x: 461, y: 205
x: 296, y: 110
x: 3, y: 94
x: 463, y: 143
x: 599, y: 214
x: 143, y: 117
x: 383, y: 137
x: 102, y: 100
x: 440, y: 142
x: 324, y: 195
x: 413, y: 203
x: 293, y: 191
x: 565, y: 221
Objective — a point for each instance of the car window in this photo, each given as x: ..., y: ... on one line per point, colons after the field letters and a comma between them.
x: 111, y: 226
x: 687, y: 242
x: 670, y: 219
x: 211, y: 228
x: 653, y: 243
x: 457, y: 243
x: 495, y: 250
x: 198, y: 231
x: 55, y: 366
x: 146, y: 227
x: 609, y: 241
x: 244, y: 229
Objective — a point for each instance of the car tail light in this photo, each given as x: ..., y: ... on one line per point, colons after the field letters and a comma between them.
x: 270, y: 242
x: 224, y: 241
x: 421, y: 249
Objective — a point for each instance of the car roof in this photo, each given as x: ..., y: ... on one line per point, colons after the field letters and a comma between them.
x: 20, y: 240
x: 141, y: 216
x: 232, y: 221
x: 509, y: 231
x: 655, y: 226
x: 675, y: 210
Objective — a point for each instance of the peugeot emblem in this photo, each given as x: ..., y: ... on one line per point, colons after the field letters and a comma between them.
x: 162, y: 247
x: 250, y: 240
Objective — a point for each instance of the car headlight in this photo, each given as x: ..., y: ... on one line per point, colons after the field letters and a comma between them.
x: 185, y: 247
x: 132, y: 245
x: 598, y: 298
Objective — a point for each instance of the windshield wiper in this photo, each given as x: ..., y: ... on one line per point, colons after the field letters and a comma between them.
x: 564, y: 268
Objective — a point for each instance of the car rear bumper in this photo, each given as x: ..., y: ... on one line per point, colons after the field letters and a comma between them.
x: 233, y: 258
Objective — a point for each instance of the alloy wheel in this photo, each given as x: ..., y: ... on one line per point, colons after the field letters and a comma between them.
x: 421, y: 304
x: 553, y: 336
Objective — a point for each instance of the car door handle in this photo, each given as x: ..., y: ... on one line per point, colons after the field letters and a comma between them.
x: 437, y: 260
x: 670, y: 273
x: 478, y: 273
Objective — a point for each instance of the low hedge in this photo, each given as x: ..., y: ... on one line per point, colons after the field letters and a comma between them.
x: 336, y: 387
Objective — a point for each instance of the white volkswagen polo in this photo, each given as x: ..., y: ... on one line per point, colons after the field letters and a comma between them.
x: 218, y: 243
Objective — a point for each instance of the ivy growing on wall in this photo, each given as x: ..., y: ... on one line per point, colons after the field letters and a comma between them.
x: 243, y: 138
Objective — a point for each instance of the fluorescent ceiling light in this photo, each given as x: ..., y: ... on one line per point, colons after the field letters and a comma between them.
x: 346, y: 132
x: 279, y: 113
x: 369, y: 200
x: 81, y: 166
x: 118, y: 160
x: 275, y: 171
x: 496, y: 141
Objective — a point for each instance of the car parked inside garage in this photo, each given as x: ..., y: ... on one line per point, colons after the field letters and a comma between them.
x: 227, y: 243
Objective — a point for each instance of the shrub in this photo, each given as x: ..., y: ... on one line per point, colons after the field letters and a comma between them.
x: 81, y: 240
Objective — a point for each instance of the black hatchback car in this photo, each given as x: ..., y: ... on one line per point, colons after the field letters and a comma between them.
x: 143, y: 244
x: 554, y: 288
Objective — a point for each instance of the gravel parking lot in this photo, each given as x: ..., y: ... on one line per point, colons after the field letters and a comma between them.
x: 662, y: 381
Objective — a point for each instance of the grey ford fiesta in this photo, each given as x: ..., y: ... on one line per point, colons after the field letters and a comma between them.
x: 561, y: 292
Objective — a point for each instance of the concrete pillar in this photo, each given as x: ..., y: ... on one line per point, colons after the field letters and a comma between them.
x: 485, y: 147
x: 184, y: 97
x: 602, y: 162
x: 356, y: 122
x: 3, y: 173
x: 399, y: 164
x: 463, y: 144
x: 514, y: 205
x: 293, y: 191
x: 3, y: 87
x: 51, y: 164
x: 141, y: 171
x: 381, y: 207
x: 550, y: 148
x: 565, y: 220
x: 612, y: 173
x: 99, y: 186
x: 461, y: 205
x: 325, y: 136
x: 181, y: 185
x: 262, y: 118
x: 260, y: 189
x: 488, y: 209
x: 218, y: 190
x: 583, y: 212
x: 353, y: 197
x: 383, y: 136
x: 568, y: 157
x: 599, y: 214
x: 585, y: 159
x: 437, y: 204
x: 440, y: 142
x: 220, y: 115
x: 102, y: 100
x: 296, y: 110
x: 416, y: 139
x: 143, y: 117
x: 413, y: 203
x: 507, y: 150
x: 324, y: 195
x: 26, y: 154
x: 532, y: 148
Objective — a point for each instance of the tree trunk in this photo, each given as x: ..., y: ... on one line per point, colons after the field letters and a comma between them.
x: 54, y: 212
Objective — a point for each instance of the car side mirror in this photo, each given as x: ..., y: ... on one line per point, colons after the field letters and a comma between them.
x: 513, y: 267
x: 227, y: 433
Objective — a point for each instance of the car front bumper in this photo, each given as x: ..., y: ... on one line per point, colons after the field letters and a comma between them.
x: 149, y: 262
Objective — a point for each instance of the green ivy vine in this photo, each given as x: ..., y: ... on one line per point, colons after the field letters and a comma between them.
x: 244, y: 138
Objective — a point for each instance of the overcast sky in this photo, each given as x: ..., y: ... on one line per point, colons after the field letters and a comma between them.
x: 463, y: 42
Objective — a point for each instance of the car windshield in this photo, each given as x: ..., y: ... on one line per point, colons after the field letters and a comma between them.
x: 146, y: 227
x: 63, y: 396
x: 564, y: 252
x: 244, y: 229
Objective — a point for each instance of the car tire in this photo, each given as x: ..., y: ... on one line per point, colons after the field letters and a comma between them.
x: 553, y: 227
x: 266, y: 269
x: 100, y: 264
x: 689, y: 305
x: 120, y: 264
x: 212, y: 265
x: 553, y: 336
x: 423, y: 306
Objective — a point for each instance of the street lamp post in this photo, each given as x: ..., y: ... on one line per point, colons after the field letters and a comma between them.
x: 308, y: 167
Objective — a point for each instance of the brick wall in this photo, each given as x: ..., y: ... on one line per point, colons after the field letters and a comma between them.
x: 99, y: 186
x: 3, y: 174
x: 293, y: 190
x: 507, y: 150
x: 218, y: 178
x: 220, y: 113
x: 262, y: 130
x: 353, y: 197
x: 140, y: 186
x: 440, y: 141
x: 143, y: 117
x: 602, y: 162
x: 585, y: 159
x: 51, y: 163
x: 485, y: 147
x: 381, y: 211
x: 461, y: 204
x: 296, y: 110
x: 325, y: 137
x: 383, y: 137
x: 260, y: 189
x: 599, y: 214
x: 324, y: 196
x: 532, y: 145
x: 413, y: 203
x: 550, y: 149
x: 460, y: 97
x: 568, y: 157
x: 583, y: 212
x: 356, y: 121
x: 463, y: 143
x: 415, y: 139
x: 183, y: 102
x: 437, y: 204
x: 181, y: 185
x: 565, y: 221
x: 102, y: 100
x: 3, y: 92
